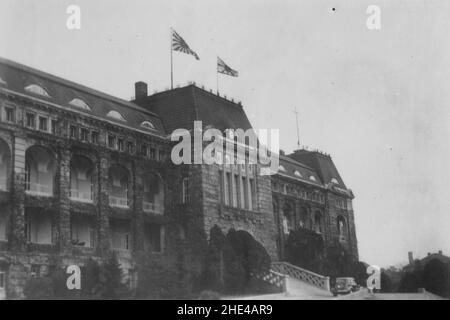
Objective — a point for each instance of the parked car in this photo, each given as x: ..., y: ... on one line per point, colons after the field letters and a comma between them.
x: 345, y: 285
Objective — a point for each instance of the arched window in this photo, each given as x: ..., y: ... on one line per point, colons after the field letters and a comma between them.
x: 281, y: 168
x: 2, y: 81
x: 37, y: 89
x: 5, y: 165
x: 288, y: 218
x: 80, y: 104
x: 118, y: 184
x: 153, y: 198
x: 298, y: 174
x: 39, y: 171
x: 81, y: 175
x: 312, y: 178
x: 115, y: 115
x: 148, y: 125
x: 334, y: 180
x: 342, y: 228
x: 303, y: 221
x: 318, y: 223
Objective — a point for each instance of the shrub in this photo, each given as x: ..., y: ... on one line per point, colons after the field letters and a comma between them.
x: 39, y: 288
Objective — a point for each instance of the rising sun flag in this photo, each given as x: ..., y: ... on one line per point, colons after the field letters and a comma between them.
x: 178, y: 44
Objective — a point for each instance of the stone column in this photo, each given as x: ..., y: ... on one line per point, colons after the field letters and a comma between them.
x: 17, y: 234
x: 137, y: 217
x: 62, y: 193
x: 104, y: 245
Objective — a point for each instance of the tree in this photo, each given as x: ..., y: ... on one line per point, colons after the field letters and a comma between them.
x: 110, y: 284
x: 435, y: 277
x: 305, y: 248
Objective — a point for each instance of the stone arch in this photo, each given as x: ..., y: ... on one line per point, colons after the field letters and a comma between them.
x: 303, y: 218
x: 40, y: 169
x: 288, y: 217
x: 120, y: 183
x: 318, y: 222
x: 153, y: 192
x: 82, y: 178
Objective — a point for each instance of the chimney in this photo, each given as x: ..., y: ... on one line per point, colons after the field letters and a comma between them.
x: 140, y: 90
x: 440, y: 252
x: 410, y: 257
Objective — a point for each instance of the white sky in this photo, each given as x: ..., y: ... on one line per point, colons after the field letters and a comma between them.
x: 377, y: 101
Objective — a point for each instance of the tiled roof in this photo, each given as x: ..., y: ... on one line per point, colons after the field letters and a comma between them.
x: 17, y: 77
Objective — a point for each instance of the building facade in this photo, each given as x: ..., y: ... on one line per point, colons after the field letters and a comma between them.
x: 84, y: 174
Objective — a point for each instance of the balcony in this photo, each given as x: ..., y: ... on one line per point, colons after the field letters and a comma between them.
x: 37, y: 189
x: 151, y: 207
x: 76, y: 195
x: 119, y: 202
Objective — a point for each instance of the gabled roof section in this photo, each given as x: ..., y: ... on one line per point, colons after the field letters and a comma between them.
x: 180, y: 107
x: 63, y: 93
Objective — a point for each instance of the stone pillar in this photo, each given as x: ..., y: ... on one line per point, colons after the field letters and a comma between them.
x: 17, y: 234
x: 137, y: 217
x: 104, y: 245
x: 62, y: 193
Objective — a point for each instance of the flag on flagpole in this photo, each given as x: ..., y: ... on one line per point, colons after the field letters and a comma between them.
x: 178, y: 44
x: 223, y: 68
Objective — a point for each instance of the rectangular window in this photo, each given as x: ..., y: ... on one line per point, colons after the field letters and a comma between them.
x: 31, y: 120
x: 226, y: 187
x: 152, y: 153
x: 94, y: 137
x: 84, y: 134
x: 144, y: 150
x: 2, y: 279
x: 235, y: 190
x: 251, y: 194
x: 43, y: 124
x: 111, y: 141
x: 243, y: 188
x: 10, y: 114
x: 130, y: 147
x: 154, y: 237
x: 53, y: 124
x: 73, y: 132
x: 120, y: 144
x: 185, y: 190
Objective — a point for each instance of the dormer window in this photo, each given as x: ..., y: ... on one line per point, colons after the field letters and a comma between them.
x: 281, y: 168
x: 148, y: 125
x: 37, y: 89
x: 80, y: 104
x: 298, y: 174
x: 115, y: 115
x: 312, y: 178
x: 2, y: 81
x: 334, y: 180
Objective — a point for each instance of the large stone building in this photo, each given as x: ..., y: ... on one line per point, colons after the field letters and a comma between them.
x: 83, y: 174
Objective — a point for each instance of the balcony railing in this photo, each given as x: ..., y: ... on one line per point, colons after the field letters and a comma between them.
x: 151, y: 207
x: 121, y: 202
x: 38, y: 189
x: 80, y: 196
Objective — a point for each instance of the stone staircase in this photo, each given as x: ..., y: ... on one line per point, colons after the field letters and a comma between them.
x: 296, y: 282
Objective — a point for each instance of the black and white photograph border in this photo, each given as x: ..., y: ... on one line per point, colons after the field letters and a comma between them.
x: 224, y: 150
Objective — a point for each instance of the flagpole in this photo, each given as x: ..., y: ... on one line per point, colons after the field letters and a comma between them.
x: 217, y: 75
x: 298, y: 131
x: 171, y: 58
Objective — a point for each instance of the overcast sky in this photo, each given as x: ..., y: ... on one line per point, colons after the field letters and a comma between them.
x: 377, y: 101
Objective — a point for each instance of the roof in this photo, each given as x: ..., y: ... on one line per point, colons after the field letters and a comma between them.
x: 303, y: 171
x: 16, y: 77
x: 180, y: 107
x: 321, y: 163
